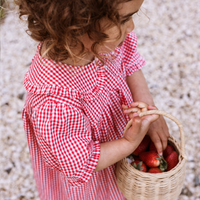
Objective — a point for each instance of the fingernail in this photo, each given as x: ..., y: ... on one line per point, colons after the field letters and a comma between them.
x: 135, y: 115
x: 160, y: 153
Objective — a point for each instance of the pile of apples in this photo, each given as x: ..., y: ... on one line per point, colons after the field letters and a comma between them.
x: 146, y: 158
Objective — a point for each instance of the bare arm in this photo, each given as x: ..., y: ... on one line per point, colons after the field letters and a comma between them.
x: 114, y: 151
x: 138, y: 87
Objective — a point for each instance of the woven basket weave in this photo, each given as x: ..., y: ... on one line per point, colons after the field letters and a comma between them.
x: 137, y: 185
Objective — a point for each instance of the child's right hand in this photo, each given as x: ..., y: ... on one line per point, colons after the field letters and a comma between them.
x: 140, y: 126
x: 113, y: 151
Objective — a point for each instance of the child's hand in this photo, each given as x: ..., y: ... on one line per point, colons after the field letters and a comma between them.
x: 158, y: 130
x: 159, y: 134
x: 136, y: 107
x: 140, y: 126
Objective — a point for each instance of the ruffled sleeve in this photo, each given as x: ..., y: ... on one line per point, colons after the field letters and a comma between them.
x: 65, y: 138
x: 132, y: 60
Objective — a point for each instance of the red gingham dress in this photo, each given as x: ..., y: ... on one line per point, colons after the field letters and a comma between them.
x: 68, y: 112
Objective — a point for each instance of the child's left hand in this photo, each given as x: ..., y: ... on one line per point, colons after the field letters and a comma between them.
x: 158, y: 130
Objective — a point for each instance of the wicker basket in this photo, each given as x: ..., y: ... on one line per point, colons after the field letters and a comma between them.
x: 137, y: 185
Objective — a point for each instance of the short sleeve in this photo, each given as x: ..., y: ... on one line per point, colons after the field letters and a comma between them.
x: 132, y: 60
x: 65, y: 138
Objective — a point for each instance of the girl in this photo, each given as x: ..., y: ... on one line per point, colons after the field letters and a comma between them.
x: 84, y: 83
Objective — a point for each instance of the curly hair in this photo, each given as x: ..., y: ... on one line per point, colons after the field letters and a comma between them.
x: 61, y: 22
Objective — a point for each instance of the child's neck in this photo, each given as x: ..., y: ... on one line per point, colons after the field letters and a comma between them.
x: 88, y: 58
x: 80, y: 62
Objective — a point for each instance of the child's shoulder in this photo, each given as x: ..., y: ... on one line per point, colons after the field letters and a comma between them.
x: 130, y: 43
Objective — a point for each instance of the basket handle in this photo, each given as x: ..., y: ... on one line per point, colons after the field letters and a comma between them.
x: 159, y: 112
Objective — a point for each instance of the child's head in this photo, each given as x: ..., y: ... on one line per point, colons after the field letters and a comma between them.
x: 66, y: 25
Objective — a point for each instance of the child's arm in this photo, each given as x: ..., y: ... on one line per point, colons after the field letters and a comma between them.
x: 158, y: 130
x: 113, y: 151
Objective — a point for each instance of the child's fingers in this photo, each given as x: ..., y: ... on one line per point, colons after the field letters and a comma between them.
x: 152, y: 108
x: 132, y: 110
x: 137, y: 107
x: 143, y: 106
x: 131, y: 133
x: 157, y: 142
x: 151, y: 118
x: 124, y: 107
x: 135, y: 115
x: 136, y: 123
x: 134, y: 104
x: 139, y: 104
x: 154, y: 118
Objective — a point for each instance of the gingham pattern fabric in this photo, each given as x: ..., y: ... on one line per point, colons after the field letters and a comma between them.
x: 68, y: 112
